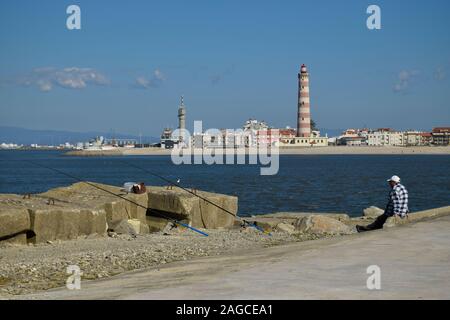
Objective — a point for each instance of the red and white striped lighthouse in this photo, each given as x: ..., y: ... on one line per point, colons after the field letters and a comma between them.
x: 304, y: 113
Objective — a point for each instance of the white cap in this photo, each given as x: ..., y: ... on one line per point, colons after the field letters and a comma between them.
x: 395, y: 179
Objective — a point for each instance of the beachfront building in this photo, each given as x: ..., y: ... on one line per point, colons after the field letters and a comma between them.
x: 305, y: 142
x: 255, y: 131
x: 288, y: 139
x: 353, y: 137
x: 356, y: 141
x: 234, y: 138
x: 386, y: 137
x: 225, y: 138
x: 267, y: 137
x: 441, y: 136
x: 417, y: 138
x: 286, y: 135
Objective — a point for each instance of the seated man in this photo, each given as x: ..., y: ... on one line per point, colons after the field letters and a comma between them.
x: 397, y: 205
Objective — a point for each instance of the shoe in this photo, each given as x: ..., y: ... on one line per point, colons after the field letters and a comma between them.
x: 361, y: 228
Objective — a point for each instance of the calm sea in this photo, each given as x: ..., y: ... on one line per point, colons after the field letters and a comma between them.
x: 347, y: 183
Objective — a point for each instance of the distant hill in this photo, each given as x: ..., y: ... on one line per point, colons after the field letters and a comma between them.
x: 56, y: 137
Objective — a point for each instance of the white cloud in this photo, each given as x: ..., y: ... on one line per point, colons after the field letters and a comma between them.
x: 71, y: 78
x: 404, y: 80
x: 155, y: 81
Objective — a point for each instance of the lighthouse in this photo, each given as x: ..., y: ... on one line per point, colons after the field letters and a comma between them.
x: 182, y: 115
x: 182, y: 120
x: 303, y: 108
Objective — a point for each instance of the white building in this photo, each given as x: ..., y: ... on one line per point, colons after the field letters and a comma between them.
x: 386, y: 137
x: 353, y: 137
x: 251, y: 128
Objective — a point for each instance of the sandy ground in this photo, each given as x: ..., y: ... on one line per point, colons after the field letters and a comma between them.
x: 25, y: 269
x: 414, y: 262
x: 339, y: 150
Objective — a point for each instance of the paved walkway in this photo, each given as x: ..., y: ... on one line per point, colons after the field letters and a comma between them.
x: 414, y: 261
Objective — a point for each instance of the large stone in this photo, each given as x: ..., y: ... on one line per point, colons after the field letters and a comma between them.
x: 130, y: 227
x: 13, y: 221
x: 92, y: 221
x: 54, y: 224
x: 138, y: 226
x: 266, y: 223
x: 270, y: 222
x: 116, y: 210
x: 19, y: 239
x: 46, y: 218
x: 133, y: 208
x: 320, y: 224
x: 138, y: 209
x: 372, y: 212
x: 181, y: 205
x: 116, y: 202
x: 156, y: 223
x: 286, y: 228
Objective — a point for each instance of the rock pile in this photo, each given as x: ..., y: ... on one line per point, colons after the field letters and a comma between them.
x: 81, y: 210
x: 304, y: 223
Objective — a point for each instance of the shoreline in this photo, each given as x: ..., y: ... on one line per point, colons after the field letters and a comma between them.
x: 330, y: 150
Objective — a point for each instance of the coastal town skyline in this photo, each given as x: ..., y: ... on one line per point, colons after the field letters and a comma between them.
x: 62, y: 80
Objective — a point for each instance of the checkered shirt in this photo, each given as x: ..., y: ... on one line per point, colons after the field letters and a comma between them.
x: 398, y: 201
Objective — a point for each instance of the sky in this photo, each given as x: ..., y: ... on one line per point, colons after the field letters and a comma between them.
x: 130, y: 62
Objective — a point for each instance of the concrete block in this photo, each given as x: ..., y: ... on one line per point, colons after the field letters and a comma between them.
x: 13, y: 221
x: 54, y: 224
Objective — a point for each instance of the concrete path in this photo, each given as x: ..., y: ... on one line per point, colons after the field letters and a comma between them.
x: 414, y: 261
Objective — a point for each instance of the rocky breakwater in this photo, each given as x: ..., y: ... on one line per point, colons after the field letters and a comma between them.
x: 81, y: 210
x: 332, y: 224
x: 300, y: 223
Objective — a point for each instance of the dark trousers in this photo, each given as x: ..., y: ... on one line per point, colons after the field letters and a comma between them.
x: 378, y: 223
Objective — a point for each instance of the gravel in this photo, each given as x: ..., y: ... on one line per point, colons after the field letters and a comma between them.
x: 27, y: 269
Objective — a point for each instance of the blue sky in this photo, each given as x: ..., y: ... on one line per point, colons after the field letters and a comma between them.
x: 128, y: 65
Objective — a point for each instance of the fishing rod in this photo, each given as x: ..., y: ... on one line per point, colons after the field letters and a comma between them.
x: 195, y: 194
x: 118, y: 195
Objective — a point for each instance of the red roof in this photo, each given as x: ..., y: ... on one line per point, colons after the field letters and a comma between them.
x: 287, y: 132
x: 441, y: 129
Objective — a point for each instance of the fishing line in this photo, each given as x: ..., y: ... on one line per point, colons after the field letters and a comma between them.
x: 195, y: 194
x: 112, y: 193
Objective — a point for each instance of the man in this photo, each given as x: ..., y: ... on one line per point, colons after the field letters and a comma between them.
x: 397, y: 205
